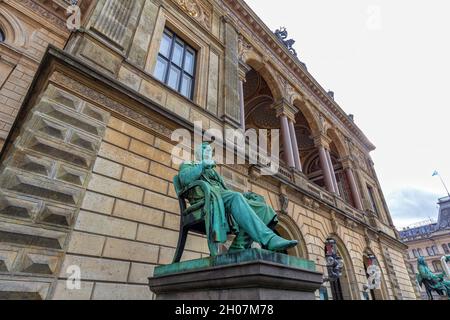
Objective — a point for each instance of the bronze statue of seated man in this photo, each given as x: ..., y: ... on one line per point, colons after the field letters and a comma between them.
x: 247, y: 215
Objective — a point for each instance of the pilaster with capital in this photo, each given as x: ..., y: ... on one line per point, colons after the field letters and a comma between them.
x: 322, y: 143
x: 232, y: 105
x: 243, y: 70
x: 286, y: 112
x: 348, y: 168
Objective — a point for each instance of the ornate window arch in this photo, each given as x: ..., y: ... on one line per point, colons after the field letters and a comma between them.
x: 288, y: 229
x: 348, y: 285
x: 12, y: 30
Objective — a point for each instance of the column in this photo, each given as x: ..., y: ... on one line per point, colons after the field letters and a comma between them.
x: 298, y: 164
x: 326, y: 169
x: 287, y: 141
x: 333, y: 174
x: 243, y: 70
x: 354, y: 188
x: 232, y: 107
x: 242, y: 105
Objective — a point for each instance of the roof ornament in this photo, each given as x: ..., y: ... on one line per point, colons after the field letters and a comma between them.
x: 282, y: 34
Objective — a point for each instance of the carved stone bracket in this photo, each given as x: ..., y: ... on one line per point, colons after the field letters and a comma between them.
x: 284, y: 203
x: 243, y: 48
x: 322, y: 140
x: 334, y: 223
x: 282, y: 107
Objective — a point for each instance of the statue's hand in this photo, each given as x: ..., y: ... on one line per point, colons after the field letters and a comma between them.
x: 208, y: 163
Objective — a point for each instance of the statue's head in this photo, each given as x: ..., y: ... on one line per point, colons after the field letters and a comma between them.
x: 203, y: 152
x: 421, y: 261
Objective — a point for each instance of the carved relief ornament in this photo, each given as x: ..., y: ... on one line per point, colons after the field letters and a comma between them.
x: 196, y: 11
x: 243, y: 48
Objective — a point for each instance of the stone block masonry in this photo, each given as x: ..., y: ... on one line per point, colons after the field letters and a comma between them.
x: 43, y: 180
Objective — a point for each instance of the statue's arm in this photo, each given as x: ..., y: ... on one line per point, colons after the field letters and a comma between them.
x: 254, y: 196
x: 189, y: 173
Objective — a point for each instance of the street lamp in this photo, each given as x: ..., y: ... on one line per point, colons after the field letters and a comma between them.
x: 333, y: 260
x: 373, y: 273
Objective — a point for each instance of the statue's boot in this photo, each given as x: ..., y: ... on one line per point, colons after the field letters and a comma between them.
x: 278, y: 243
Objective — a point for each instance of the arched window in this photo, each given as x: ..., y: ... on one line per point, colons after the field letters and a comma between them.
x: 2, y: 36
x: 429, y: 252
x: 437, y: 266
x: 416, y: 255
x: 419, y: 251
x: 435, y: 250
x: 445, y: 247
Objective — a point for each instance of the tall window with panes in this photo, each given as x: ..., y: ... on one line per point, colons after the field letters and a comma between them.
x: 372, y: 199
x: 175, y: 65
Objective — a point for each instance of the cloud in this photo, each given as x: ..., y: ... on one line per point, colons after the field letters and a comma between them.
x: 408, y: 206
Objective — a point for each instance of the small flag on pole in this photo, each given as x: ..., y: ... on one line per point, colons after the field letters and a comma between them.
x: 435, y: 173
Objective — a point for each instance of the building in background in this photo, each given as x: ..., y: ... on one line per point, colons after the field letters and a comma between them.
x: 86, y: 179
x: 430, y: 240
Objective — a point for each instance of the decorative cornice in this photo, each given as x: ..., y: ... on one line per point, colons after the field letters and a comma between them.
x: 248, y: 21
x: 43, y: 12
x: 103, y: 100
x: 284, y: 108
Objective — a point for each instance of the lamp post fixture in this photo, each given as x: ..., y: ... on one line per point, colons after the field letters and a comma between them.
x: 333, y: 260
x: 373, y: 272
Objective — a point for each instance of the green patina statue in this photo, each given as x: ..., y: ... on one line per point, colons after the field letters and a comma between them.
x: 246, y: 215
x: 432, y: 281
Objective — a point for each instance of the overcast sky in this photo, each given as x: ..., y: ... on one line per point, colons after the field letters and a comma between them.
x: 388, y: 62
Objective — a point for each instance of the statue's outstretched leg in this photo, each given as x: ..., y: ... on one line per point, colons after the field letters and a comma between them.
x: 248, y: 221
x: 241, y: 242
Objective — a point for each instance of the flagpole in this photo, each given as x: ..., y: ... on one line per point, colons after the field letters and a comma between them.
x: 448, y: 193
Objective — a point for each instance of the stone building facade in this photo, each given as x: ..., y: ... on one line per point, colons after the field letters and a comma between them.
x: 86, y: 176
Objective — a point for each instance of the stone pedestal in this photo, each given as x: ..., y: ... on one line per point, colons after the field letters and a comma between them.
x: 252, y: 274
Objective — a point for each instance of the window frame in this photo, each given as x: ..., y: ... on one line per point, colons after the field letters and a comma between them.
x: 175, y: 39
x: 371, y: 192
x: 2, y: 36
x: 429, y: 251
x: 445, y: 248
x: 437, y: 266
x: 435, y: 250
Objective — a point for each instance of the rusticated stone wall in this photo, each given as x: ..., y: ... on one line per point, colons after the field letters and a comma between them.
x: 42, y: 183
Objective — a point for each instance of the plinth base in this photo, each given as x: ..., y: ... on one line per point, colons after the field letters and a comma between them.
x: 252, y: 274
